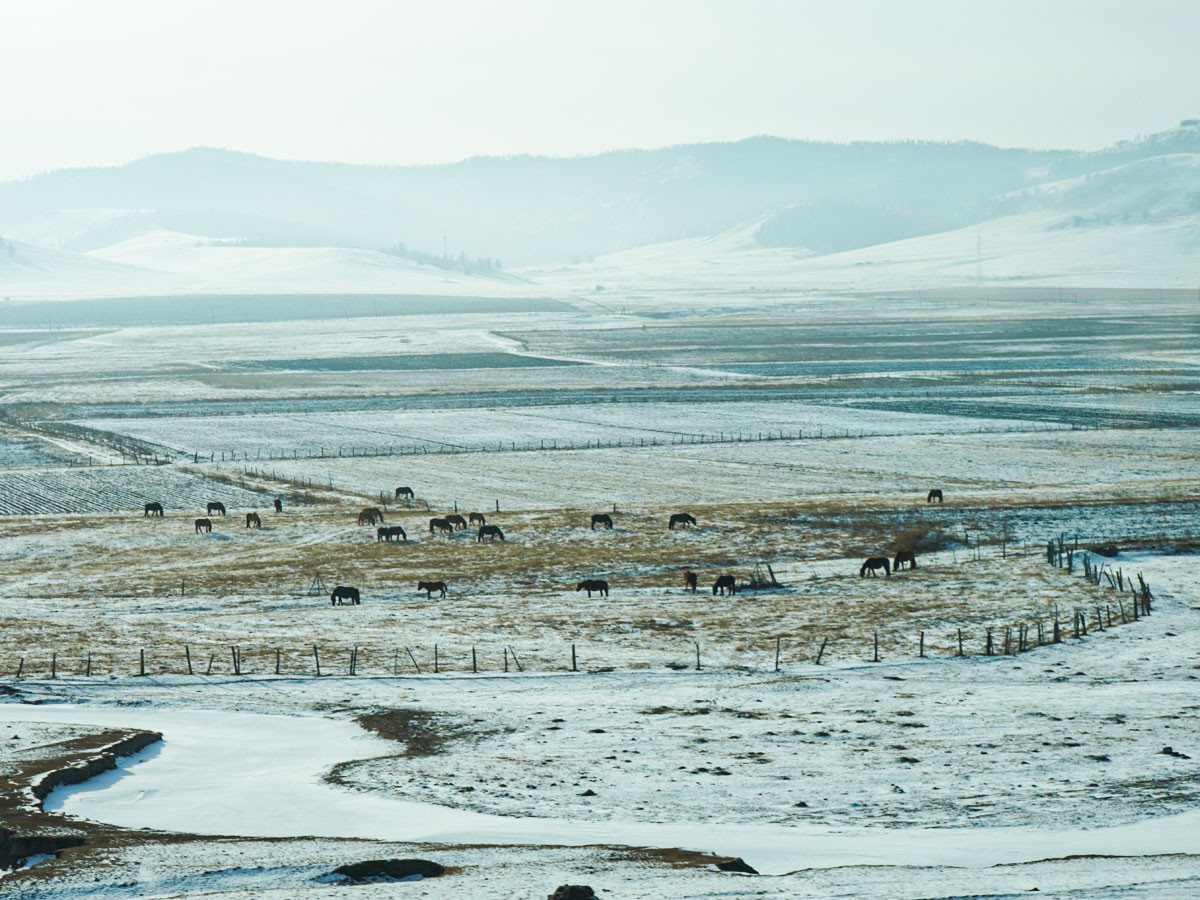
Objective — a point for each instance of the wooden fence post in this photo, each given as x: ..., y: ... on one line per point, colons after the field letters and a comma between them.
x: 960, y: 650
x: 211, y: 657
x: 821, y: 652
x: 474, y: 662
x: 188, y: 654
x: 142, y: 663
x: 697, y: 643
x: 573, y: 667
x: 520, y: 668
x: 277, y: 654
x: 435, y: 659
x: 54, y: 665
x: 922, y: 653
x: 777, y: 647
x: 317, y: 659
x: 89, y: 664
x: 20, y: 666
x: 414, y: 660
x: 876, y: 636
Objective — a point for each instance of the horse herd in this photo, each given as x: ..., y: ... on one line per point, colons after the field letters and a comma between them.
x: 448, y: 524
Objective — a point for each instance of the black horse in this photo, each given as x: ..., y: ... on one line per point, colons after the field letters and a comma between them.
x: 152, y: 509
x: 723, y: 584
x: 344, y: 596
x: 491, y: 532
x: 602, y: 519
x: 216, y: 507
x: 935, y: 494
x: 278, y: 505
x: 253, y: 520
x: 904, y: 556
x: 681, y: 519
x: 477, y: 519
x: 873, y: 564
x: 404, y: 492
x: 593, y: 584
x: 204, y: 525
x: 441, y: 525
x: 429, y: 587
x: 385, y: 533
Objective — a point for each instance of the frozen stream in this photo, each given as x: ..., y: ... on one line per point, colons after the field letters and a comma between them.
x: 234, y: 773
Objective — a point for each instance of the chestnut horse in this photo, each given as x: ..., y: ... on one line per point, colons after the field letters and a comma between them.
x: 690, y: 580
x: 370, y: 516
x: 904, y: 556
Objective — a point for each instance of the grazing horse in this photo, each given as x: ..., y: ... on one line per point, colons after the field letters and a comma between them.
x: 152, y: 509
x: 724, y: 583
x: 593, y: 584
x: 457, y: 521
x: 344, y: 596
x: 204, y: 525
x: 370, y: 516
x: 491, y: 532
x: 690, y: 580
x: 681, y: 519
x: 440, y: 525
x: 873, y: 564
x: 216, y: 507
x: 253, y: 521
x: 935, y: 494
x: 430, y: 586
x: 904, y: 556
x: 601, y: 519
x: 278, y: 505
x: 404, y: 492
x: 477, y: 519
x: 390, y: 534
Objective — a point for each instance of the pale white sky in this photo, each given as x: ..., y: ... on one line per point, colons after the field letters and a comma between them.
x: 397, y: 81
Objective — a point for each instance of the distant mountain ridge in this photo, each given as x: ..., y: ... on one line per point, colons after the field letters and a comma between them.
x: 205, y: 218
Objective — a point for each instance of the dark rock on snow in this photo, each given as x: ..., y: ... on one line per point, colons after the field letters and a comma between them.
x: 389, y: 870
x: 737, y: 865
x: 572, y: 892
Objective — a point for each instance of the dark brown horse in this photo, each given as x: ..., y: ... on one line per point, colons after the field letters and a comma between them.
x: 935, y: 494
x: 390, y: 533
x: 725, y: 583
x: 440, y: 525
x: 681, y: 519
x: 370, y: 516
x: 253, y: 521
x: 593, y: 584
x: 152, y: 508
x: 278, y: 505
x: 491, y: 532
x: 601, y: 519
x: 216, y: 507
x: 477, y: 519
x: 457, y: 521
x: 344, y: 596
x: 404, y: 492
x: 204, y: 525
x: 430, y: 586
x: 904, y: 556
x: 874, y: 564
x: 690, y: 580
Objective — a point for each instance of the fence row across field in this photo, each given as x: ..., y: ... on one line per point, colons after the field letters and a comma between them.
x: 1133, y: 602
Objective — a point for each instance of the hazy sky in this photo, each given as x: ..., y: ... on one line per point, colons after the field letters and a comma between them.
x: 85, y: 82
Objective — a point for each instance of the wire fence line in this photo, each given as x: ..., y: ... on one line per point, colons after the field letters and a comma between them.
x: 1129, y: 602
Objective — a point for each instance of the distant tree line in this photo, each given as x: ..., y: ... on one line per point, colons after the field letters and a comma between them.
x: 461, y: 263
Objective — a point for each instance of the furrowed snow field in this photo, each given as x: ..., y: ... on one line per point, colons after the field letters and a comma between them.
x: 909, y: 777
